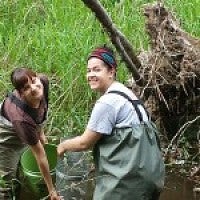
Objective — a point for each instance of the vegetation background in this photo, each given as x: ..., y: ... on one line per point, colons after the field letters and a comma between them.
x: 54, y: 37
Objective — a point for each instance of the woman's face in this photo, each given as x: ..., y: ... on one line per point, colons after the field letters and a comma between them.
x: 99, y: 76
x: 33, y: 90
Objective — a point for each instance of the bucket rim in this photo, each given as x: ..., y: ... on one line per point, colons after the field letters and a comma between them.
x: 36, y: 174
x: 28, y: 151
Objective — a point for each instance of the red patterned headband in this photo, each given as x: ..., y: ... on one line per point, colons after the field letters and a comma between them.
x: 104, y: 55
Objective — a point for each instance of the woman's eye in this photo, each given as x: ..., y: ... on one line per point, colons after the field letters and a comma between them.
x: 26, y: 87
x: 33, y: 79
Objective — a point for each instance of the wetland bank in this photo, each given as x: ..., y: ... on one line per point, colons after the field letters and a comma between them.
x: 50, y: 36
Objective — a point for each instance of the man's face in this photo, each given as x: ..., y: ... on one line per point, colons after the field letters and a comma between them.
x: 99, y: 76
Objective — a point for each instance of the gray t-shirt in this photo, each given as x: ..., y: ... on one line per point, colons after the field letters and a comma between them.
x: 114, y: 111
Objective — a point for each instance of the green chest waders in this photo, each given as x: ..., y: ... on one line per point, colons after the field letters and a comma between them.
x: 129, y: 164
x: 11, y: 149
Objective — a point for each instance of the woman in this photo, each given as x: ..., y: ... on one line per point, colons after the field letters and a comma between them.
x: 22, y: 113
x: 127, y: 158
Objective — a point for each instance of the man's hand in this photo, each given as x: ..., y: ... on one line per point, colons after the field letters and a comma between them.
x: 60, y: 150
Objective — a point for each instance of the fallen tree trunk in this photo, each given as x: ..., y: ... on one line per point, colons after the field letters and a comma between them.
x: 122, y: 45
x: 172, y: 68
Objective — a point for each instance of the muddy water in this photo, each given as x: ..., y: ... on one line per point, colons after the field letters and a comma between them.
x: 177, y: 187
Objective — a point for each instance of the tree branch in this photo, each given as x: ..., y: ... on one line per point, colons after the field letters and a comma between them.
x: 122, y: 45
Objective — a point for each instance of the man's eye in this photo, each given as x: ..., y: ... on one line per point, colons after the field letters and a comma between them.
x: 97, y: 69
x: 94, y: 70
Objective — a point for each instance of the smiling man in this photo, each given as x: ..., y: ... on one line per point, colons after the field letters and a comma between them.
x: 127, y: 157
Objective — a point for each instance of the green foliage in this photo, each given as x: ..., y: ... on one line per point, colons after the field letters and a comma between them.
x: 55, y: 37
x: 188, y: 14
x: 2, y: 182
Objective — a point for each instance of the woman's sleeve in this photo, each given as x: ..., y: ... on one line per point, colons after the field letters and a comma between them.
x: 27, y: 132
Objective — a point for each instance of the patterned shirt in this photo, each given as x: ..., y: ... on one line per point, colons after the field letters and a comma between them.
x: 26, y: 127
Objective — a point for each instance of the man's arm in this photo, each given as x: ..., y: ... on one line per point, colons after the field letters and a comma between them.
x: 80, y: 143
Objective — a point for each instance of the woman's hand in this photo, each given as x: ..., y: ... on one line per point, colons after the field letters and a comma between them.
x: 54, y: 196
x: 43, y: 138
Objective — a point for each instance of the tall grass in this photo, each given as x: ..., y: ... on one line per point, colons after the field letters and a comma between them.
x: 55, y: 37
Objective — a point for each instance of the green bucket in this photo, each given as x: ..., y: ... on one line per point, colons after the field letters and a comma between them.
x: 32, y: 179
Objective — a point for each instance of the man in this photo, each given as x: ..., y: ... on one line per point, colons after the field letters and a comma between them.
x: 127, y: 157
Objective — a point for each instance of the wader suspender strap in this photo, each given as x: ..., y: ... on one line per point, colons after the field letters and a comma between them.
x: 135, y: 103
x: 2, y: 110
x: 27, y: 109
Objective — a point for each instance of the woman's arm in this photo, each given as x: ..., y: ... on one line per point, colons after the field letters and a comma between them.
x: 41, y: 158
x: 42, y: 136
